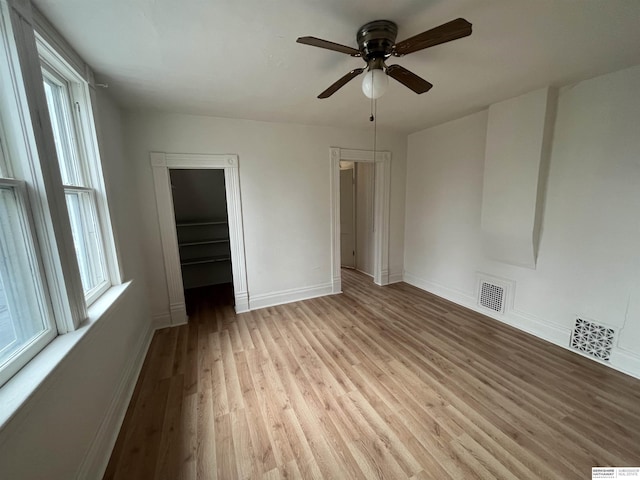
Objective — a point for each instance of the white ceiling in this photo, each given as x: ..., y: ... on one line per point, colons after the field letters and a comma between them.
x: 240, y: 59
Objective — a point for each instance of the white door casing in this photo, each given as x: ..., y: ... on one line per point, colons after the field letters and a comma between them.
x: 160, y: 164
x: 381, y: 208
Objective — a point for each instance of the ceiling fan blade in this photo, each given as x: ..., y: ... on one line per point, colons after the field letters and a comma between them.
x: 318, y: 42
x: 408, y: 79
x: 446, y: 32
x: 341, y: 83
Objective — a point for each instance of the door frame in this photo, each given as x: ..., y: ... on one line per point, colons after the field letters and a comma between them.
x: 353, y: 216
x: 381, y: 211
x: 161, y: 163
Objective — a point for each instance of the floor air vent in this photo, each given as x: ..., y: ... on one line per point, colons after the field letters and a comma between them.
x: 492, y: 296
x: 592, y: 339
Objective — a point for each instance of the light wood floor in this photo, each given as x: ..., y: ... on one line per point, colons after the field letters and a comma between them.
x: 375, y: 383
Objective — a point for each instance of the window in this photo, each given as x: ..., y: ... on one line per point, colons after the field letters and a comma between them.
x: 26, y: 322
x: 41, y: 294
x: 68, y: 106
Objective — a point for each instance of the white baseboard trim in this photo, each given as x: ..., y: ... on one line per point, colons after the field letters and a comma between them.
x: 452, y: 294
x: 161, y: 320
x: 536, y: 326
x: 515, y: 318
x: 336, y: 284
x: 287, y: 296
x: 621, y: 360
x: 96, y: 460
x: 625, y: 361
x: 384, y: 278
x: 395, y: 278
x: 178, y: 312
x: 363, y: 272
x: 242, y: 302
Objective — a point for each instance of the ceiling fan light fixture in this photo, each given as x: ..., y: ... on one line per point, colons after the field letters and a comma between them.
x: 375, y: 83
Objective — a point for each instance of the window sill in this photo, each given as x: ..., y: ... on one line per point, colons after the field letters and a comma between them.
x: 32, y: 380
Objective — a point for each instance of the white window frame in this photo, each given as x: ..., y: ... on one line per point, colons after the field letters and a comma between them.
x: 35, y: 345
x: 5, y: 167
x: 23, y: 171
x: 62, y: 73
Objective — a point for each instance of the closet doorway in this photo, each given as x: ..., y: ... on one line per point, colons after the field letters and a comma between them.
x: 197, y: 240
x: 202, y: 228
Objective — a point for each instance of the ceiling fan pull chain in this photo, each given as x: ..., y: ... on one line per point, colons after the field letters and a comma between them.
x: 374, y: 118
x: 371, y: 117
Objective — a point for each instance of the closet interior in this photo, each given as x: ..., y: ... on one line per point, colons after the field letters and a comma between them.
x: 202, y: 227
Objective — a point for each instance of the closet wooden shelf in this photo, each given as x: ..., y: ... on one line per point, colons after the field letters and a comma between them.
x: 203, y: 242
x: 201, y: 224
x: 201, y: 260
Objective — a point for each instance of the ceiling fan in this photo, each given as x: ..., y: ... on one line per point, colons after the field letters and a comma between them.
x: 376, y: 43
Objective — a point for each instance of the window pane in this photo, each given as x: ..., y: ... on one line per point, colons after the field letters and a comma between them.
x: 86, y: 238
x: 63, y: 132
x: 22, y: 312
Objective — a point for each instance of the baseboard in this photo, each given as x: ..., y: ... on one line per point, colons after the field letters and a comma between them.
x: 515, y: 318
x: 452, y: 294
x: 161, y: 320
x: 336, y: 284
x: 96, y: 460
x: 395, y: 278
x: 536, y: 326
x: 621, y: 360
x: 625, y: 361
x: 288, y: 296
x: 178, y: 312
x: 363, y: 272
x: 242, y: 302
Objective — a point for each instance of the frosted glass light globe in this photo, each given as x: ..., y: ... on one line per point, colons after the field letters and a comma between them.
x: 375, y: 83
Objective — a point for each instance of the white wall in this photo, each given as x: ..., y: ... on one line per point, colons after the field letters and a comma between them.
x: 589, y: 254
x: 515, y: 165
x: 284, y: 181
x: 68, y: 426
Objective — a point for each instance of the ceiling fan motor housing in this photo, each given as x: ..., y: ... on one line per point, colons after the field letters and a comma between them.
x: 377, y: 39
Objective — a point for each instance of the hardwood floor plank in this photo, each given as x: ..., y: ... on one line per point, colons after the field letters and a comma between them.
x: 245, y: 335
x: 290, y: 471
x: 144, y: 442
x: 234, y: 392
x: 205, y: 359
x: 218, y: 378
x: 188, y: 449
x: 168, y: 464
x: 224, y: 448
x: 260, y: 440
x: 333, y: 425
x: 385, y: 433
x: 180, y: 355
x: 372, y: 449
x: 191, y: 366
x: 378, y: 382
x: 207, y: 441
x: 246, y: 462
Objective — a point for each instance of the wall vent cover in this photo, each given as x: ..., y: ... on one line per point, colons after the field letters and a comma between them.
x: 592, y: 339
x: 492, y: 296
